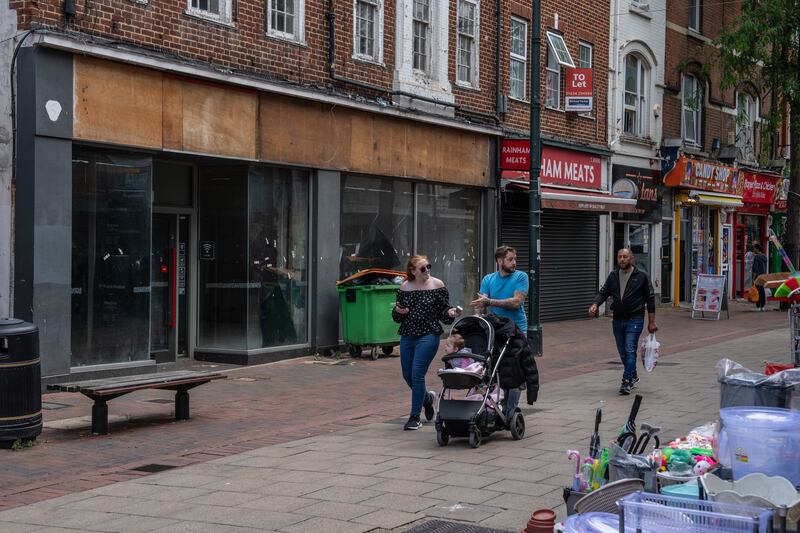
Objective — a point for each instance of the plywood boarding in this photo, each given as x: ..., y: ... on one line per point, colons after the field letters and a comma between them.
x: 173, y: 113
x: 319, y: 135
x: 219, y: 121
x: 116, y: 103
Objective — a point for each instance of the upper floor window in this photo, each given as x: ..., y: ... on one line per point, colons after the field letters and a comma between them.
x: 692, y: 106
x: 694, y: 15
x: 557, y: 56
x: 519, y: 58
x: 467, y: 53
x: 368, y: 25
x: 634, y: 108
x: 214, y: 9
x: 584, y: 55
x: 422, y: 34
x: 285, y: 19
x: 745, y: 125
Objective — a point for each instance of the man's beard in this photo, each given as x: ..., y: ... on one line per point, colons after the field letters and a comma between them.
x: 507, y: 270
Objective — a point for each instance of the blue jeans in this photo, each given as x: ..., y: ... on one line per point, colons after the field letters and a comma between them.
x: 416, y: 354
x: 627, y: 332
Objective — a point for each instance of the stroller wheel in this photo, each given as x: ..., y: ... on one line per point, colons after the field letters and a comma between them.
x: 475, y: 438
x: 517, y: 426
x: 374, y: 353
x: 442, y: 437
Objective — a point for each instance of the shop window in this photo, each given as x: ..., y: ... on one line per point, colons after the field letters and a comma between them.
x: 449, y: 233
x: 467, y: 53
x: 368, y: 30
x: 222, y: 270
x: 285, y: 19
x: 692, y: 105
x: 278, y: 257
x: 111, y: 217
x: 635, y: 104
x: 519, y: 58
x: 746, y: 113
x: 219, y: 10
x: 377, y: 229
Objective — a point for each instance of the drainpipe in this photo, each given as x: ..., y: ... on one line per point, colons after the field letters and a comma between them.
x: 69, y: 10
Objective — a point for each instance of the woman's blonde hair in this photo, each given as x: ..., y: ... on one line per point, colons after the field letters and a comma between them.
x: 456, y: 340
x: 410, y: 265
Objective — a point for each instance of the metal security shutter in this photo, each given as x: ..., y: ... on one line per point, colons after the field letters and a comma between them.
x: 570, y: 255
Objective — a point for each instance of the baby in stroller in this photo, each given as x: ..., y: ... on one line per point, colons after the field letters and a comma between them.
x: 471, y: 364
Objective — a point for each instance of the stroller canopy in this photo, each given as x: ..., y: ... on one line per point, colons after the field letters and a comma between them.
x: 477, y: 332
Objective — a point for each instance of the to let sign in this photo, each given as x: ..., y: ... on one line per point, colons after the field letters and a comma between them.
x: 578, y: 93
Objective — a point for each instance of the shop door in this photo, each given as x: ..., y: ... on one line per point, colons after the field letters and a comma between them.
x: 637, y: 238
x: 168, y: 287
x: 666, y: 261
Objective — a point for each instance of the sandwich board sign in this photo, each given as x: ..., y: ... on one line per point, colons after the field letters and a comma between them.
x: 709, y: 296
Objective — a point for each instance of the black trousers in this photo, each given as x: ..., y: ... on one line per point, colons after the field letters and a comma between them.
x: 762, y: 297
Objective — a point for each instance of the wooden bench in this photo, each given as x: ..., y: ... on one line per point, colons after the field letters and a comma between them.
x: 103, y: 390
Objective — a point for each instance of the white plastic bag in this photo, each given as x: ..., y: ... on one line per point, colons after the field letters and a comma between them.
x: 649, y: 351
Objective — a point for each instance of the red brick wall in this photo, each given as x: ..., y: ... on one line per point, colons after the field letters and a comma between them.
x: 687, y: 52
x: 163, y: 25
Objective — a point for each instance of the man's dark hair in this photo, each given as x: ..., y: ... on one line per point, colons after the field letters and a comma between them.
x: 502, y: 252
x: 757, y: 247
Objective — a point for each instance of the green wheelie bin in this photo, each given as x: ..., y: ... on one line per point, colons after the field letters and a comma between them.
x: 367, y: 318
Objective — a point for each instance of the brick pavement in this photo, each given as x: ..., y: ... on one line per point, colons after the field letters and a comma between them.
x: 375, y: 477
x: 286, y: 401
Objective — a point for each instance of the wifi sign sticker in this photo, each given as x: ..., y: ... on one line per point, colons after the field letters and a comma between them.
x: 207, y: 250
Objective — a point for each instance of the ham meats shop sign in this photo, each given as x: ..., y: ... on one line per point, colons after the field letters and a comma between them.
x: 559, y: 166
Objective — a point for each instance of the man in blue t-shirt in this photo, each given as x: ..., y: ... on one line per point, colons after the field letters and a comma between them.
x: 503, y: 293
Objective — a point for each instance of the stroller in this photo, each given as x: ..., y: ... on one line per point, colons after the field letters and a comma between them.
x: 481, y: 411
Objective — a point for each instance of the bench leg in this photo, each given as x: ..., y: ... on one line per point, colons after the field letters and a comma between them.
x: 100, y: 417
x: 182, y: 404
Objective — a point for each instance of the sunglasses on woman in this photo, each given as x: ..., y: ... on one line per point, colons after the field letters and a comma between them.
x: 425, y: 268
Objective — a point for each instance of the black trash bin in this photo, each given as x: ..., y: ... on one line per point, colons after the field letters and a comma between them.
x: 752, y: 389
x: 20, y: 380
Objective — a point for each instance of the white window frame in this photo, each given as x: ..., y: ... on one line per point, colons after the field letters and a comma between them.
x: 552, y: 97
x: 560, y: 49
x: 745, y: 128
x: 585, y: 46
x: 519, y: 58
x: 377, y: 32
x: 224, y: 16
x: 638, y: 109
x: 694, y: 140
x: 474, y: 77
x: 298, y: 28
x: 694, y: 13
x: 424, y: 24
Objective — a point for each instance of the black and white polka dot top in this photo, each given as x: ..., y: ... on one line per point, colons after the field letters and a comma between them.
x: 427, y: 308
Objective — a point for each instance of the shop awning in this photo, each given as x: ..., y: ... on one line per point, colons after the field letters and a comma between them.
x: 716, y: 198
x: 586, y: 201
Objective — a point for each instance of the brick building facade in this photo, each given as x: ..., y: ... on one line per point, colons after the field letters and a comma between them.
x: 723, y: 200
x: 193, y: 176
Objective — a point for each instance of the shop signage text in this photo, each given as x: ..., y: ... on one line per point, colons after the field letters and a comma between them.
x: 559, y: 166
x: 705, y: 175
x: 760, y: 188
x: 578, y: 90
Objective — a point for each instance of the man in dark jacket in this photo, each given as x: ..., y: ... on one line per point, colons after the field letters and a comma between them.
x: 631, y: 293
x: 759, y: 267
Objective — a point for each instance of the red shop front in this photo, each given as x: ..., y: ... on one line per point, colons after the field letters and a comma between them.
x: 750, y: 224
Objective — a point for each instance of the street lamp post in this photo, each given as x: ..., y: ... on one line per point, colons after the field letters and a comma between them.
x: 534, y: 200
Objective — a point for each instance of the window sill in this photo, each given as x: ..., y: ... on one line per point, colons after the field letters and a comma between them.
x: 556, y: 109
x: 368, y: 60
x: 693, y: 149
x: 209, y: 17
x: 521, y: 101
x: 630, y: 138
x: 467, y: 86
x: 640, y: 12
x: 287, y: 39
x: 697, y: 35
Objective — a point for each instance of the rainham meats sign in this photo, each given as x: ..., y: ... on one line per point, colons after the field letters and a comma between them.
x: 559, y: 166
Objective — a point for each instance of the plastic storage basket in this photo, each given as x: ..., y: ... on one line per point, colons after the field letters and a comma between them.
x: 654, y: 513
